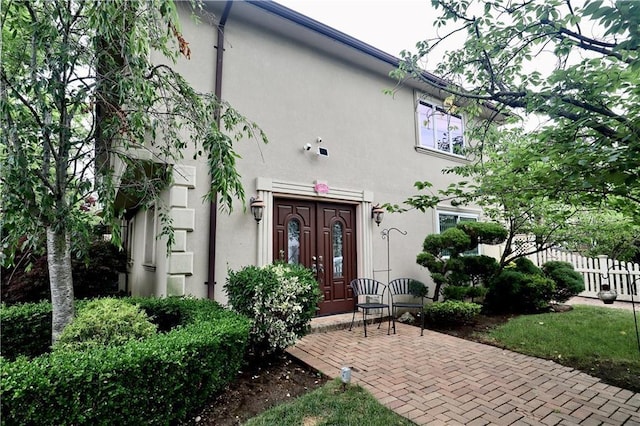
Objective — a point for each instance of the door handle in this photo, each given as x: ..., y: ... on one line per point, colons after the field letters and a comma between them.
x: 320, y: 265
x: 314, y: 265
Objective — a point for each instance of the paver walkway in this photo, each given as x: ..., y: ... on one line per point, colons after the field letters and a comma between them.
x: 439, y: 379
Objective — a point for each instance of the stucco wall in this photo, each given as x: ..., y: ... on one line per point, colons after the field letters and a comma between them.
x: 297, y: 93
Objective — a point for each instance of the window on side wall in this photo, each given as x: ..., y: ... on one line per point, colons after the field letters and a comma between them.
x: 439, y: 130
x: 448, y: 220
x: 150, y: 237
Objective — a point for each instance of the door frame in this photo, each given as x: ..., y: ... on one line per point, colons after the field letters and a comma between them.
x: 268, y: 188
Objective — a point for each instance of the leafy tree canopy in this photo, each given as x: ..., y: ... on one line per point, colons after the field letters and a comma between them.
x: 85, y: 88
x: 576, y: 64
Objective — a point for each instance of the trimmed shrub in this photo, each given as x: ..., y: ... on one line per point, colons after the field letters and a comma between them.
x: 517, y: 292
x: 156, y: 381
x: 26, y: 329
x: 568, y: 281
x: 476, y: 292
x: 451, y: 312
x: 480, y: 268
x: 454, y: 292
x: 524, y: 265
x: 281, y: 299
x: 105, y: 322
x: 484, y: 232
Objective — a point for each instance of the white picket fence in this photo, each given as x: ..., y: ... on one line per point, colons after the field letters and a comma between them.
x: 623, y: 277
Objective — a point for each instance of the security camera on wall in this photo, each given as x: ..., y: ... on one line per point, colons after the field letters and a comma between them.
x: 307, y: 147
x: 323, y: 152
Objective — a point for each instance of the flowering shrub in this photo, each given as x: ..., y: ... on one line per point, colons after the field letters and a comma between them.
x: 281, y: 299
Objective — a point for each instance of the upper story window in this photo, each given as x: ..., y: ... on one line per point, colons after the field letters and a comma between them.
x: 439, y: 129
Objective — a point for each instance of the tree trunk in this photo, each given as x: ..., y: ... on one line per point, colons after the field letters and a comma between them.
x: 61, y: 281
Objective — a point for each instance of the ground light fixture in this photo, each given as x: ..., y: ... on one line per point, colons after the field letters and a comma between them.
x: 257, y: 208
x: 377, y: 214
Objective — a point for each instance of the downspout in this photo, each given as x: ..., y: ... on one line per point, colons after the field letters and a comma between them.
x: 213, y: 207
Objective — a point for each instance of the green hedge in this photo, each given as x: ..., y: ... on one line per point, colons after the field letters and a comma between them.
x: 155, y: 381
x: 451, y: 312
x: 26, y: 329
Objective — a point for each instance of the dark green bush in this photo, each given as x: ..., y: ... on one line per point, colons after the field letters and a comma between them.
x: 451, y: 312
x: 524, y: 265
x: 476, y: 291
x: 418, y: 289
x: 105, y: 322
x: 454, y: 292
x: 155, y: 381
x: 484, y: 232
x: 568, y: 281
x: 517, y: 292
x: 480, y: 268
x: 93, y: 276
x: 26, y: 329
x: 281, y: 299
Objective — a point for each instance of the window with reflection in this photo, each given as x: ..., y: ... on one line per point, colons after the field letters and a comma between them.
x: 293, y: 245
x: 439, y: 129
x: 337, y: 240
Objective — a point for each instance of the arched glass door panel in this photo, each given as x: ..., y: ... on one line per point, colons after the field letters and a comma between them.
x: 293, y: 237
x: 337, y: 239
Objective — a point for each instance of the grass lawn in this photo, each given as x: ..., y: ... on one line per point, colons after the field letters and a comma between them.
x: 592, y: 339
x: 329, y: 405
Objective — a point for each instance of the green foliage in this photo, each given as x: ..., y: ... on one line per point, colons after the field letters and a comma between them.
x: 26, y: 329
x: 451, y: 312
x: 586, y: 156
x: 85, y: 87
x: 454, y: 292
x: 567, y: 281
x: 526, y: 266
x: 93, y: 276
x: 155, y: 381
x: 518, y: 292
x: 475, y: 292
x: 480, y: 268
x: 105, y: 322
x: 281, y: 299
x: 484, y: 232
x: 418, y: 289
x: 442, y: 256
x: 461, y: 292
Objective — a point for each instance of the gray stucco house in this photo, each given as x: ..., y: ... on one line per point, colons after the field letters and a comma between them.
x: 338, y: 147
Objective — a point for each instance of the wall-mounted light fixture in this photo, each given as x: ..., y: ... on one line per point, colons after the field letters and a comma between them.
x: 377, y: 214
x: 257, y: 208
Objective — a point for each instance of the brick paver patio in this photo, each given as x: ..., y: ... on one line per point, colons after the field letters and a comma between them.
x: 439, y: 379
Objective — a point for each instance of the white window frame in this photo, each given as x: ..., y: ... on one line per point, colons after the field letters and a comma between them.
x: 150, y: 225
x: 470, y: 215
x: 420, y: 126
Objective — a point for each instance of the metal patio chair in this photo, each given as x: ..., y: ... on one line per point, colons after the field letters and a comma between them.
x: 369, y: 289
x: 400, y: 289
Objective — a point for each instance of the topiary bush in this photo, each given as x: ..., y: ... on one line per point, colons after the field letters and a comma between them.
x: 451, y: 312
x: 517, y: 292
x: 281, y: 299
x: 524, y: 265
x: 568, y: 282
x: 454, y: 292
x: 105, y: 322
x: 156, y: 381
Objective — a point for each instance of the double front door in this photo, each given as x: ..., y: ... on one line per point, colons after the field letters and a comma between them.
x: 320, y: 236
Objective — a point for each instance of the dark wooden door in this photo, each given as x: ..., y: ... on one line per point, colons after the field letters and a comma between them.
x: 320, y: 236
